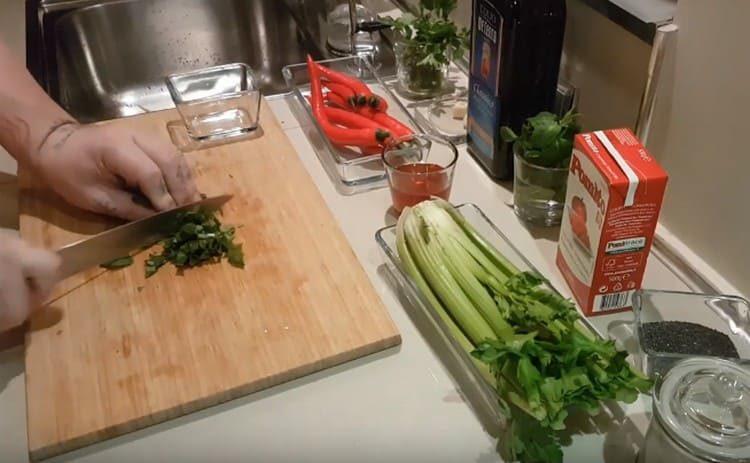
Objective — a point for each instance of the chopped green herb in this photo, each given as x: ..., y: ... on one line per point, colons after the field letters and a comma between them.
x: 120, y: 262
x: 199, y: 238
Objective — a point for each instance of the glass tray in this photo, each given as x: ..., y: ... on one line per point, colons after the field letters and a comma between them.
x: 349, y: 169
x: 434, y: 114
x: 480, y: 394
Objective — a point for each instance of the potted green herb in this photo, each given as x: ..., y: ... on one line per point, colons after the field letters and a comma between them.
x: 542, y: 156
x: 425, y: 45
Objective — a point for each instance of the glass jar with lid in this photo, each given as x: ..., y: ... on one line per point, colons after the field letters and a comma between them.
x: 701, y: 414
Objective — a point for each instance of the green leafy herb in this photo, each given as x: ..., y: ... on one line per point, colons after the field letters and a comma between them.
x: 546, y: 139
x: 528, y: 341
x: 430, y: 40
x: 120, y: 262
x: 199, y: 238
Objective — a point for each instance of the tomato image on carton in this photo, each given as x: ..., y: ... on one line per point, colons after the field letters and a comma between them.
x: 578, y: 217
x: 615, y: 192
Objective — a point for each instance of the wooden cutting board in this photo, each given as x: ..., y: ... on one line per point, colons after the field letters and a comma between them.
x: 117, y: 352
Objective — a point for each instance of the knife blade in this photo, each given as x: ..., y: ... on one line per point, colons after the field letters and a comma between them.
x: 122, y: 240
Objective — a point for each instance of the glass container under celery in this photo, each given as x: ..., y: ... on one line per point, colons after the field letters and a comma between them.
x: 424, y: 47
x: 671, y: 326
x: 528, y: 342
x: 542, y: 154
x: 701, y: 414
x: 419, y: 167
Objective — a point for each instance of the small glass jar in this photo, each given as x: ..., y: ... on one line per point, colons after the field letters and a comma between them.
x: 701, y: 414
x: 418, y: 81
x: 538, y: 192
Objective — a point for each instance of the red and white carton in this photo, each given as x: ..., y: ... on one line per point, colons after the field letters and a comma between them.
x: 615, y: 191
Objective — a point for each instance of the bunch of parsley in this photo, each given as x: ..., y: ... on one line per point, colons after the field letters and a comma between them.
x: 430, y: 40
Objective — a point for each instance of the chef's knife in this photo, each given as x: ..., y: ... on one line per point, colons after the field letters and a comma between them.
x: 123, y: 240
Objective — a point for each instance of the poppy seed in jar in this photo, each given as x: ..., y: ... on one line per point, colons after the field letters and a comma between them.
x: 686, y: 338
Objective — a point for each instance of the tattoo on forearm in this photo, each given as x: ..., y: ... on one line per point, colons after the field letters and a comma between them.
x: 65, y: 127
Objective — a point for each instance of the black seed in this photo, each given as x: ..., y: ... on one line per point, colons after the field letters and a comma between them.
x: 686, y: 338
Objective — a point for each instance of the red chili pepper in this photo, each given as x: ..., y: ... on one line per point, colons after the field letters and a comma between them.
x: 377, y: 103
x: 366, y: 111
x: 356, y: 85
x: 337, y: 100
x: 343, y: 91
x: 316, y: 93
x: 393, y: 125
x: 338, y: 135
x: 353, y: 83
x: 351, y: 119
x: 332, y: 100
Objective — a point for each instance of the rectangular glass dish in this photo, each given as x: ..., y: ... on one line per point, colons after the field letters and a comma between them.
x: 351, y: 171
x: 217, y: 102
x: 480, y: 394
x: 729, y: 315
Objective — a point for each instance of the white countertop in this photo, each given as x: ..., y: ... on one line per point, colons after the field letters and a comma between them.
x: 399, y: 405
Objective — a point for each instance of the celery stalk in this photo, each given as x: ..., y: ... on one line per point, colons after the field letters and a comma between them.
x: 438, y: 219
x: 504, y: 264
x: 443, y: 284
x: 407, y: 261
x: 457, y: 262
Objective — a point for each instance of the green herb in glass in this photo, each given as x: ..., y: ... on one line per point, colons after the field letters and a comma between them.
x: 427, y: 42
x: 546, y: 139
x: 541, y: 158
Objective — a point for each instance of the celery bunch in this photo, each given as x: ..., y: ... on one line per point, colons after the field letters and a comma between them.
x: 527, y: 341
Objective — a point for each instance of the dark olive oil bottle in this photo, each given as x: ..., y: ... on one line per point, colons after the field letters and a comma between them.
x: 516, y: 47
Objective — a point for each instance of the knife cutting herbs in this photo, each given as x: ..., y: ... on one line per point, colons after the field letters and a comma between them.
x: 199, y: 238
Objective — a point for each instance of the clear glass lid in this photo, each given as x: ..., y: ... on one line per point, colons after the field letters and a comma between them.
x: 704, y: 404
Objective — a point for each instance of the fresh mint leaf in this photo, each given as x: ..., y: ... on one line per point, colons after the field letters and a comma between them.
x: 120, y: 262
x: 546, y: 140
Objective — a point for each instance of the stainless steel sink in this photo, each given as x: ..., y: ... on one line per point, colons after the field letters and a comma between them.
x: 108, y: 59
x: 112, y: 57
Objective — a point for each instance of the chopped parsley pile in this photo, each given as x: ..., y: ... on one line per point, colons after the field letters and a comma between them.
x: 199, y: 238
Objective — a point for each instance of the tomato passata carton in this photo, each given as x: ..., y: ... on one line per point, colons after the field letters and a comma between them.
x: 615, y: 191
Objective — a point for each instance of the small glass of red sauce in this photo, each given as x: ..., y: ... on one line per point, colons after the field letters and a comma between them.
x: 419, y: 167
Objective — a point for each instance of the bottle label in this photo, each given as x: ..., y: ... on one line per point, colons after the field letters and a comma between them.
x: 484, y: 79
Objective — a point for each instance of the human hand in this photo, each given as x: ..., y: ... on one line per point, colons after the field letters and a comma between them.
x: 97, y: 168
x: 27, y: 276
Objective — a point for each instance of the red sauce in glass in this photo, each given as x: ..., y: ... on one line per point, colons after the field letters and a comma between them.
x: 414, y: 183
